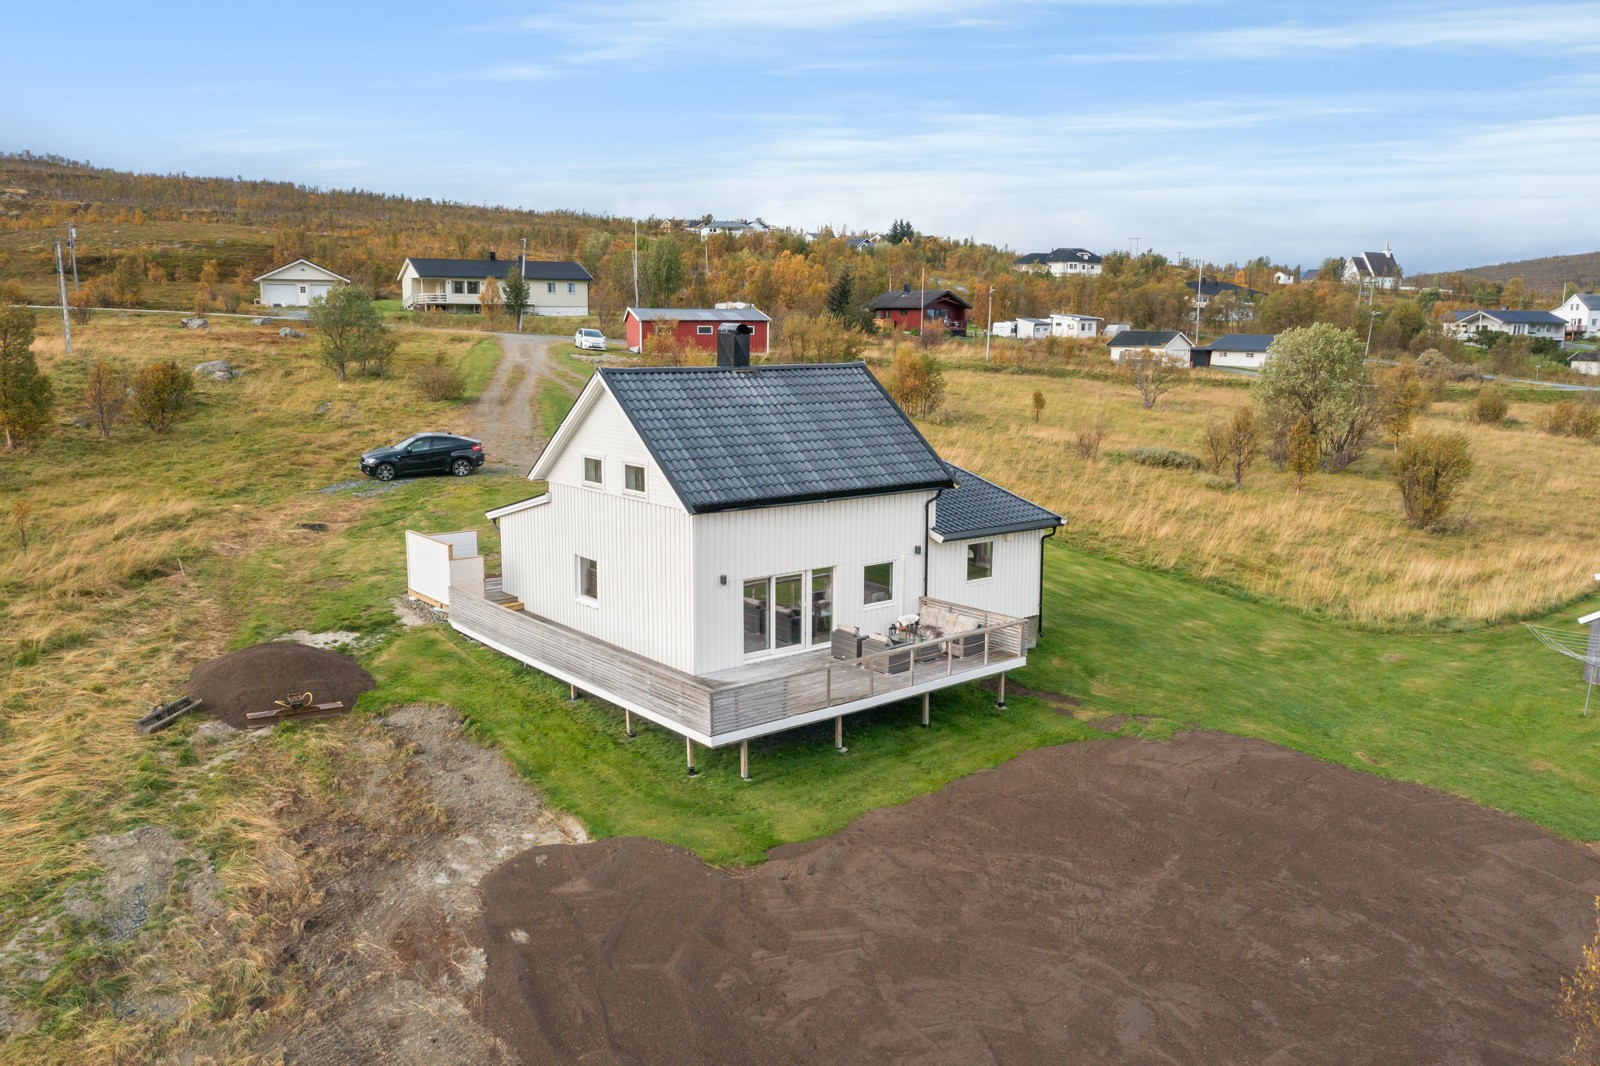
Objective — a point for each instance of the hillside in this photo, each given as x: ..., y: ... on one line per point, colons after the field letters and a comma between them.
x: 1548, y: 274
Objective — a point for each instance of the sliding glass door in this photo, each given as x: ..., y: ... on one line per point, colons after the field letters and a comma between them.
x: 780, y: 613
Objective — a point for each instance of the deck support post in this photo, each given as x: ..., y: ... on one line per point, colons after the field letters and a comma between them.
x: 838, y: 734
x: 744, y: 759
x: 572, y: 692
x: 688, y: 750
x: 627, y: 722
x: 924, y: 710
x: 1001, y: 704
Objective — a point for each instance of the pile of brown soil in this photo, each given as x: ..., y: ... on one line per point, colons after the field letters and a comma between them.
x: 1207, y: 899
x: 254, y: 678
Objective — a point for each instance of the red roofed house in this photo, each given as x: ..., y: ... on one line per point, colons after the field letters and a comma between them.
x: 696, y: 325
x: 905, y: 308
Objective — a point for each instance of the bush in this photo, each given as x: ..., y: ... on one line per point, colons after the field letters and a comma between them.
x: 1167, y: 458
x: 1568, y: 419
x: 1429, y: 469
x: 1436, y: 370
x: 1489, y: 407
x: 160, y: 395
x: 439, y: 380
x: 1086, y: 441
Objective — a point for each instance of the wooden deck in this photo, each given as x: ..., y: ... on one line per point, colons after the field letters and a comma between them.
x: 750, y: 700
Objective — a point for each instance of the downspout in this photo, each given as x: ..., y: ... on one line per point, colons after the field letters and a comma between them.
x: 1040, y: 631
x: 927, y: 529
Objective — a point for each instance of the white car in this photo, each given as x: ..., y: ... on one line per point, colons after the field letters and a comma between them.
x: 590, y: 338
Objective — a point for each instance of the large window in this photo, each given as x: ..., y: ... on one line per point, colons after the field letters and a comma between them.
x: 980, y: 560
x: 588, y: 578
x: 877, y: 583
x: 757, y: 615
x: 458, y: 287
x: 822, y: 605
x: 780, y: 613
x: 633, y: 478
x: 593, y: 470
x: 472, y: 288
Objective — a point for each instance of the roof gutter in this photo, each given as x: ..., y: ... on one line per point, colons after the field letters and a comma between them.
x: 1039, y: 630
x: 927, y: 530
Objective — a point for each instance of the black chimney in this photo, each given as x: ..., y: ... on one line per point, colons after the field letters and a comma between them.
x: 906, y: 287
x: 491, y: 257
x: 733, y: 345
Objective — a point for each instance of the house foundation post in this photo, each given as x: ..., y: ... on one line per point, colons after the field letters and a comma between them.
x: 838, y: 734
x: 744, y: 759
x: 924, y: 710
x: 1002, y: 701
x: 627, y: 722
x: 572, y: 692
x: 688, y: 750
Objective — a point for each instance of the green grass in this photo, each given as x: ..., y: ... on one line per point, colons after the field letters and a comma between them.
x: 477, y: 367
x: 553, y: 401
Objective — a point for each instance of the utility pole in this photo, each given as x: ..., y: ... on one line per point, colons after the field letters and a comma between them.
x: 636, y: 262
x: 1371, y: 315
x: 1133, y: 247
x: 1199, y: 284
x: 922, y: 301
x: 61, y: 283
x: 72, y: 246
x: 989, y: 332
x: 522, y: 273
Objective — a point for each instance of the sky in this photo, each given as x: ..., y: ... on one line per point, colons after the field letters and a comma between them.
x: 1462, y: 133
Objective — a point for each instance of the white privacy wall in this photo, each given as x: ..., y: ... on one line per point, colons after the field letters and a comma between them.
x: 772, y: 541
x: 1014, y: 588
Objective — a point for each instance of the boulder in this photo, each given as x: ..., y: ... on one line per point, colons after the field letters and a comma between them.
x: 196, y: 323
x: 290, y: 331
x: 264, y: 320
x: 217, y: 369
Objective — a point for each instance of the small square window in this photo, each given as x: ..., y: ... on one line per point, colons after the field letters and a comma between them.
x: 593, y: 470
x: 472, y: 288
x: 572, y: 287
x: 549, y: 286
x: 704, y: 331
x: 877, y: 584
x: 588, y: 578
x: 633, y: 478
x: 980, y: 560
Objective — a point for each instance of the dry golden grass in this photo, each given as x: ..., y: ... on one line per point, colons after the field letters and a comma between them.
x: 1523, y: 541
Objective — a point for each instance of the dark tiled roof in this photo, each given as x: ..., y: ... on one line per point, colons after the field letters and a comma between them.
x: 1527, y: 318
x: 483, y: 268
x: 896, y: 299
x: 1243, y: 342
x: 728, y: 439
x: 1060, y: 255
x: 699, y: 314
x: 980, y: 508
x: 1376, y: 265
x: 1143, y: 338
x: 1207, y: 287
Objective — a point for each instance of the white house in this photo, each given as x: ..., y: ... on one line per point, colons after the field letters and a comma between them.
x: 1534, y: 324
x: 1243, y: 351
x: 1175, y: 346
x: 1585, y: 363
x: 1005, y: 328
x: 1032, y: 328
x: 1378, y: 269
x: 1063, y: 262
x: 297, y: 284
x: 554, y: 288
x: 1078, y: 326
x: 1581, y: 313
x: 735, y: 227
x: 733, y: 551
x: 1283, y: 277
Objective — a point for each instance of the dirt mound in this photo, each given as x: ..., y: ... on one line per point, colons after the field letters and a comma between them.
x: 1207, y: 899
x: 252, y: 678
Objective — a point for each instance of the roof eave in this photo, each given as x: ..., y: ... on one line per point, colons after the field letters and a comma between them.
x: 818, y: 497
x: 998, y: 531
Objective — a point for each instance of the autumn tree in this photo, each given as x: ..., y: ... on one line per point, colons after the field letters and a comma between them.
x: 1401, y: 398
x: 660, y: 271
x: 1243, y: 443
x: 350, y: 331
x: 27, y: 398
x: 127, y: 282
x: 1304, y: 457
x: 515, y: 292
x: 1153, y: 373
x: 160, y: 394
x: 916, y: 381
x: 104, y: 393
x: 489, y: 300
x: 1038, y: 404
x: 1429, y: 469
x: 1319, y: 373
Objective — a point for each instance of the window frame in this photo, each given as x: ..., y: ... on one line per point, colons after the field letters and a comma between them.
x: 869, y: 604
x: 549, y: 286
x: 474, y: 288
x: 588, y: 572
x: 600, y: 467
x: 458, y: 288
x: 988, y: 574
x: 703, y: 331
x: 808, y: 637
x: 626, y: 469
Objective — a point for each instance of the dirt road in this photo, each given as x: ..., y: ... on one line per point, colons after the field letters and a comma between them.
x: 1207, y: 899
x: 504, y: 417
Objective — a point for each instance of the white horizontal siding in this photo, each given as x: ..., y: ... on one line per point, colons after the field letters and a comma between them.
x: 1014, y: 588
x: 773, y: 541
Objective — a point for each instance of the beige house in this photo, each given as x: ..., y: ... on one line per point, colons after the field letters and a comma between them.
x: 554, y: 288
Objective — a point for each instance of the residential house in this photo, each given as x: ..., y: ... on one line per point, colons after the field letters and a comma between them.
x: 1377, y: 269
x: 695, y: 325
x: 1005, y: 328
x: 1206, y: 290
x: 1085, y: 327
x: 1242, y: 351
x: 1032, y: 328
x: 1536, y: 324
x: 730, y: 552
x: 1307, y: 277
x: 1581, y: 313
x: 861, y: 244
x: 1063, y: 262
x: 733, y: 227
x: 1585, y: 363
x: 297, y: 284
x: 554, y: 288
x: 1114, y: 328
x: 907, y: 308
x: 1282, y: 277
x: 1175, y: 346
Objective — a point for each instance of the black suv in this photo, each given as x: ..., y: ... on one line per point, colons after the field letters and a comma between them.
x: 424, y: 453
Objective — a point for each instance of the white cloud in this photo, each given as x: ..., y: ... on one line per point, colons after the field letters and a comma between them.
x: 1542, y: 28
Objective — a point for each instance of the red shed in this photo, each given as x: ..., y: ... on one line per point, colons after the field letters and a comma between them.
x: 905, y: 308
x: 695, y: 325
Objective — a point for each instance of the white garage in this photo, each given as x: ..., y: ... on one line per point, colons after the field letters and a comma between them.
x: 297, y: 284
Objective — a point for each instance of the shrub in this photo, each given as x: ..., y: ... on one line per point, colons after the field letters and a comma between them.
x: 439, y: 380
x: 1152, y: 373
x: 916, y: 381
x: 80, y: 305
x: 104, y: 393
x: 351, y: 331
x: 1429, y: 469
x: 1166, y: 458
x: 1301, y: 457
x: 160, y: 395
x: 1401, y: 398
x: 1318, y: 373
x: 1568, y: 419
x: 1217, y: 482
x: 1489, y: 407
x: 1214, y: 445
x: 1436, y: 370
x: 1086, y: 441
x: 1038, y: 404
x: 27, y: 399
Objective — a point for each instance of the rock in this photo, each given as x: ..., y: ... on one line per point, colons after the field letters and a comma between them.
x: 290, y: 331
x: 196, y: 323
x: 82, y: 423
x: 323, y: 408
x: 315, y: 527
x: 218, y: 369
x: 215, y: 729
x: 264, y: 320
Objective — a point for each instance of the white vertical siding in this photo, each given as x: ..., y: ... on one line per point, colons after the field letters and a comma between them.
x: 1014, y: 588
x: 606, y: 434
x: 773, y: 541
